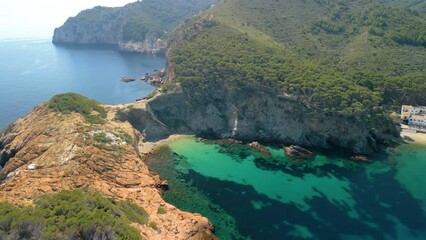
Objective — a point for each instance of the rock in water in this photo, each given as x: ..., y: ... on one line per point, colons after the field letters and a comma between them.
x: 260, y: 148
x: 295, y: 151
x: 128, y: 79
x: 360, y: 158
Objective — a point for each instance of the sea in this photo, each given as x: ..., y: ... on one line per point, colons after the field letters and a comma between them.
x: 34, y: 70
x: 246, y: 194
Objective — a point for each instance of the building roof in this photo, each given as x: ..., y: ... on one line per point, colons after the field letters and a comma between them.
x: 418, y: 117
x: 406, y: 114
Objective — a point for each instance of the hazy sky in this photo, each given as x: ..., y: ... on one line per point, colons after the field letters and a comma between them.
x: 38, y: 18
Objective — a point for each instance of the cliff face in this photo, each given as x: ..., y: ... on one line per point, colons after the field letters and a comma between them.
x: 106, y: 29
x: 249, y: 113
x: 151, y: 44
x: 46, y: 152
x: 141, y: 26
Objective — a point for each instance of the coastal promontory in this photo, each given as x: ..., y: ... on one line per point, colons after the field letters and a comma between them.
x: 72, y: 143
x: 142, y: 26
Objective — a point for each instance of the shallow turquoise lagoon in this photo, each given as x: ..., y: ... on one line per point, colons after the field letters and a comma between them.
x: 250, y: 195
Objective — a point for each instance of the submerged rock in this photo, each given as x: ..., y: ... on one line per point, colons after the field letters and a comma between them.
x: 393, y: 150
x: 233, y: 141
x: 295, y: 151
x: 260, y: 148
x: 360, y: 158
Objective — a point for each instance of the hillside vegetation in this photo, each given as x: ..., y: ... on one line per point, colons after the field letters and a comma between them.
x: 72, y: 215
x: 91, y: 110
x: 357, y: 58
x: 159, y: 16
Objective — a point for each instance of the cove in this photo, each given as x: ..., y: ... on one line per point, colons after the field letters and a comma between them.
x: 250, y: 195
x: 33, y: 70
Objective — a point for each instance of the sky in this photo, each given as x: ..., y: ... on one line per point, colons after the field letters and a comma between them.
x: 38, y: 18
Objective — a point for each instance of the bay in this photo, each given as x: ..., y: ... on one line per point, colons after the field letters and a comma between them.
x: 249, y: 195
x: 33, y: 70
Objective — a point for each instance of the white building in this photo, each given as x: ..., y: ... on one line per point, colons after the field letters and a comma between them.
x: 412, y: 110
x: 415, y: 116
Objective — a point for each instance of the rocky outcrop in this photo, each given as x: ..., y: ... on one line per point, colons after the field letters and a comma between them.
x: 151, y: 44
x: 248, y: 113
x: 295, y: 151
x: 54, y: 152
x: 259, y: 147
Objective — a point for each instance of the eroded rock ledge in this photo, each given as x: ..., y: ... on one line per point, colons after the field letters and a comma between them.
x: 46, y: 152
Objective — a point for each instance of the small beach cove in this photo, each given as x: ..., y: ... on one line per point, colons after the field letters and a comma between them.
x: 250, y: 195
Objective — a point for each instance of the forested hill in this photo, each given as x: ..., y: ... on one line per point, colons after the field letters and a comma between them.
x: 356, y: 58
x: 416, y: 5
x: 142, y: 21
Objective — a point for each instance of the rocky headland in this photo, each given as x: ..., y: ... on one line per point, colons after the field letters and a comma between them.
x: 140, y: 27
x: 48, y: 151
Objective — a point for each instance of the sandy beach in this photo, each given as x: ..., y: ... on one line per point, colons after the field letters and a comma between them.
x: 147, y: 147
x: 411, y: 135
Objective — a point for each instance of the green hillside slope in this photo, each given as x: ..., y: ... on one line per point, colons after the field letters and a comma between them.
x: 357, y: 58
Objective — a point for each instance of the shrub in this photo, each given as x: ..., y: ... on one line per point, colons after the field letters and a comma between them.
x: 72, y: 215
x: 91, y: 110
x: 153, y: 225
x: 161, y: 210
x: 102, y: 137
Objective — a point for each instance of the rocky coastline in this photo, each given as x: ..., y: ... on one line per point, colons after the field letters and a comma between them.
x: 248, y: 113
x: 60, y: 152
x: 245, y: 114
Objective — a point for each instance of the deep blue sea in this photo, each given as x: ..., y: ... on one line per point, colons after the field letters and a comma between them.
x: 33, y: 70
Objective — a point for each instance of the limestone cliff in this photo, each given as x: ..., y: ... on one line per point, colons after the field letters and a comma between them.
x: 106, y: 28
x: 46, y: 152
x: 249, y: 113
x: 151, y: 44
x: 142, y: 26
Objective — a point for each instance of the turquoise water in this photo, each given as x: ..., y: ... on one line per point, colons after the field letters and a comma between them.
x: 249, y: 195
x: 33, y: 70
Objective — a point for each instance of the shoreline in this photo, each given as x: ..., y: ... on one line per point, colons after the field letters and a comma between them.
x: 413, y: 137
x: 147, y: 147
